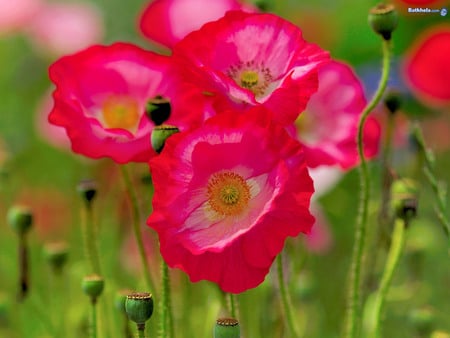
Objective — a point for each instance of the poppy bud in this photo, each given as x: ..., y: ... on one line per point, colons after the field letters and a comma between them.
x: 92, y: 286
x: 160, y: 135
x: 383, y: 19
x: 158, y: 109
x: 20, y: 219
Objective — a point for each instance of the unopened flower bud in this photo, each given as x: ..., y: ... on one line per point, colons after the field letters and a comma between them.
x: 158, y: 109
x: 139, y: 307
x: 20, y: 219
x: 393, y: 101
x: 56, y: 254
x: 160, y: 135
x: 227, y: 328
x: 404, y: 198
x: 87, y: 189
x: 92, y: 286
x: 383, y: 19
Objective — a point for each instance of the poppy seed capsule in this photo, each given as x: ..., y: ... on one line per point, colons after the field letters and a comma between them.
x: 393, y: 101
x: 158, y: 109
x: 227, y: 328
x: 56, y: 254
x: 139, y: 307
x: 87, y: 189
x: 404, y: 198
x: 92, y: 286
x: 20, y: 219
x: 383, y: 19
x: 160, y: 135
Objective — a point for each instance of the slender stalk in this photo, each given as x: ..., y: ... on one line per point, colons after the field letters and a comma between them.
x: 233, y: 305
x: 287, y: 307
x: 23, y: 264
x: 90, y: 239
x: 136, y: 227
x: 141, y: 330
x: 398, y: 241
x: 93, y: 319
x: 439, y: 193
x: 166, y: 319
x: 353, y: 315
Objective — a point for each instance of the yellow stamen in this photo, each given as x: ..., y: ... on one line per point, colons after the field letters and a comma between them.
x: 249, y: 79
x: 228, y: 193
x: 121, y: 112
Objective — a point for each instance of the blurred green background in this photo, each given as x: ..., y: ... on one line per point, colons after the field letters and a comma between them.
x: 36, y: 173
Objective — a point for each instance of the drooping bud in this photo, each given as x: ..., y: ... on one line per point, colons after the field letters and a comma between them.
x: 56, y: 255
x: 160, y: 134
x: 87, y: 189
x: 393, y: 101
x: 139, y: 307
x: 93, y: 286
x: 158, y: 110
x: 405, y: 198
x: 383, y: 19
x: 20, y: 218
x: 227, y: 328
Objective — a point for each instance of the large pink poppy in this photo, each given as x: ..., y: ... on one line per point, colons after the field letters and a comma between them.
x: 249, y: 59
x: 227, y: 195
x: 100, y: 100
x: 329, y: 126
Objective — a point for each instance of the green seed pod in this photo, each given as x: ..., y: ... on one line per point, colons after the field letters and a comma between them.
x: 383, y: 19
x: 139, y: 307
x: 56, y: 255
x: 160, y: 135
x: 158, y: 110
x: 87, y: 189
x: 404, y: 198
x: 227, y: 328
x: 393, y: 101
x: 93, y: 286
x: 20, y: 219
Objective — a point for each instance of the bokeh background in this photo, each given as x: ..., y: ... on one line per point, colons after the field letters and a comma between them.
x: 38, y: 169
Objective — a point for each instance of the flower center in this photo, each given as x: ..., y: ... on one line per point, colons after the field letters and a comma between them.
x: 228, y: 193
x: 121, y: 112
x: 252, y: 76
x: 249, y: 79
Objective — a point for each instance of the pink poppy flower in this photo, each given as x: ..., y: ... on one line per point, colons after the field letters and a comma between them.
x: 51, y: 26
x: 248, y: 59
x: 177, y: 18
x: 100, y: 100
x: 427, y: 66
x: 328, y: 127
x: 15, y: 15
x: 227, y: 195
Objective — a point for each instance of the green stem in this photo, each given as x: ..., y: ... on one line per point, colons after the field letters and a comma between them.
x: 136, y: 227
x: 94, y: 319
x: 90, y: 239
x: 287, y: 308
x: 141, y: 331
x: 353, y: 315
x: 166, y: 319
x: 398, y: 241
x: 439, y: 193
x: 233, y: 305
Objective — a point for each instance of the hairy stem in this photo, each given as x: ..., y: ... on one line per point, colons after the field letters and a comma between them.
x: 287, y: 306
x: 353, y: 315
